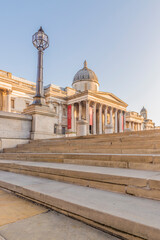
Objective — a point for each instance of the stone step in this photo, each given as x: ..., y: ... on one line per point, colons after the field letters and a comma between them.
x: 132, y: 161
x: 79, y: 149
x: 115, y: 143
x: 126, y: 216
x: 115, y: 164
x: 129, y: 138
x: 144, y: 184
x: 144, y: 133
x: 105, y: 142
x: 92, y: 141
x: 93, y: 145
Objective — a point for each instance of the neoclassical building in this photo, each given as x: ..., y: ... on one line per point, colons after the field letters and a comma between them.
x: 137, y: 122
x: 74, y: 109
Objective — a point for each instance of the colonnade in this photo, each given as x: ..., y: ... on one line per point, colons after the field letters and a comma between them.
x: 135, y: 126
x: 102, y: 115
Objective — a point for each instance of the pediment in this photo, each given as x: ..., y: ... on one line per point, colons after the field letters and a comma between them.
x: 112, y: 97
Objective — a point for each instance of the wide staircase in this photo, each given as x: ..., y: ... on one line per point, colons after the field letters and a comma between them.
x: 111, y: 182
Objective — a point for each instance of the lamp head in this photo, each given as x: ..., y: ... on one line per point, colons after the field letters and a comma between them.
x: 40, y: 40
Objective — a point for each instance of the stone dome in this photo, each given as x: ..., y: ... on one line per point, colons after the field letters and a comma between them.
x: 85, y: 76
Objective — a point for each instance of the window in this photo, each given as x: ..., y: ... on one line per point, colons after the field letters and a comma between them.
x: 63, y: 130
x: 12, y: 103
x: 55, y: 128
x: 64, y: 111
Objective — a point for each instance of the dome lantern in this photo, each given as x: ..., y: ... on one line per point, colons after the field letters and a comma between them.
x: 85, y: 64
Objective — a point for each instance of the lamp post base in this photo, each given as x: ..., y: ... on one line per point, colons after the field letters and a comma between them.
x: 39, y: 101
x: 42, y: 121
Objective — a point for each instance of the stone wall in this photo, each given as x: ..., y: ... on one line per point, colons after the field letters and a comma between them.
x: 14, y: 129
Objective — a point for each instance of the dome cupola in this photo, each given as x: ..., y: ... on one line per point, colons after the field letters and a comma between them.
x: 85, y: 79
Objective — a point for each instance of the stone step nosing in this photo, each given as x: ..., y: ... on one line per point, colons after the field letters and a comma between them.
x: 147, y: 186
x: 85, y: 153
x: 118, y: 223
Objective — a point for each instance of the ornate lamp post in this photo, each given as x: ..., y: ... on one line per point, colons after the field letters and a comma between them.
x: 41, y: 42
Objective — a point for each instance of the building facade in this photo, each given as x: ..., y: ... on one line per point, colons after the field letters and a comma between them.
x: 82, y: 108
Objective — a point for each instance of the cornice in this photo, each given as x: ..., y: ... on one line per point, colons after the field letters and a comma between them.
x: 89, y: 93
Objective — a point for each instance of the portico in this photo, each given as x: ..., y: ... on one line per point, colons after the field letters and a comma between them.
x: 97, y: 112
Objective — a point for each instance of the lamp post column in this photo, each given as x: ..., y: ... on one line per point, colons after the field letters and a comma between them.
x: 40, y: 91
x: 39, y: 98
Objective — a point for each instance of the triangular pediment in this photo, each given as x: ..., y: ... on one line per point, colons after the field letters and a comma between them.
x: 112, y: 97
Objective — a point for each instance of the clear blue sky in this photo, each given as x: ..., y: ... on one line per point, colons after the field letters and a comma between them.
x: 120, y: 39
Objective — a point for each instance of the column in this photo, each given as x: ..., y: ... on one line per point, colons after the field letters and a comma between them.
x: 60, y: 119
x: 87, y: 116
x: 133, y: 126
x: 8, y: 101
x: 75, y: 118
x: 140, y: 127
x: 120, y: 121
x: 94, y: 118
x: 80, y: 111
x: 124, y: 121
x: 105, y: 116
x: 72, y: 123
x: 130, y: 125
x: 1, y: 100
x: 115, y: 128
x: 111, y: 119
x: 100, y: 119
x: 4, y: 101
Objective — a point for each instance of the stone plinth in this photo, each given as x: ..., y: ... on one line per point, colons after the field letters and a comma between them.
x: 82, y: 128
x: 108, y: 128
x: 43, y: 121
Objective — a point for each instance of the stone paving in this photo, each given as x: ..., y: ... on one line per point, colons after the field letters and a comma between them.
x: 23, y: 220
